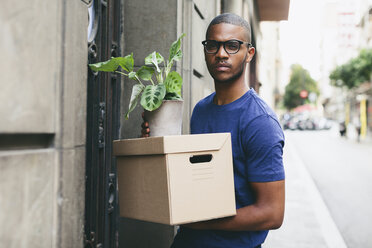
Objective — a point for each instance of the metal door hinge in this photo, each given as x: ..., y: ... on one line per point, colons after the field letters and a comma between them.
x: 101, y: 125
x: 90, y: 241
x: 87, y: 2
x: 111, y: 192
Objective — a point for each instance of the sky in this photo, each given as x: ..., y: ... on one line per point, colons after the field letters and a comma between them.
x: 319, y: 35
x: 300, y: 36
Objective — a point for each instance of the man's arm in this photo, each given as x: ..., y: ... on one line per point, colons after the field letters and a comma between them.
x: 266, y: 213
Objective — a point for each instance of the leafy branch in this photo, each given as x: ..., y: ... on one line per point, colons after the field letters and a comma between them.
x: 355, y: 72
x: 168, y: 84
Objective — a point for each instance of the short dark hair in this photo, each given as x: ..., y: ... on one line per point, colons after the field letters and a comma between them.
x: 233, y: 19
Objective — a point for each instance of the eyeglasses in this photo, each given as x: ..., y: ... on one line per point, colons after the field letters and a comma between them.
x: 230, y: 46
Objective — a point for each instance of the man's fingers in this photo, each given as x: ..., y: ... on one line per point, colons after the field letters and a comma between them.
x: 145, y: 131
x: 143, y: 116
x: 145, y: 124
x: 145, y: 127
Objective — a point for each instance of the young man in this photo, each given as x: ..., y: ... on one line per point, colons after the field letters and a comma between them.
x: 257, y: 143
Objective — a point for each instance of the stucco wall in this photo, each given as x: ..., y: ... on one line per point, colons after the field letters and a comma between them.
x: 158, y: 27
x: 43, y: 49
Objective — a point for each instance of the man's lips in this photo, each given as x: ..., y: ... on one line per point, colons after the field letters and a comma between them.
x: 222, y: 66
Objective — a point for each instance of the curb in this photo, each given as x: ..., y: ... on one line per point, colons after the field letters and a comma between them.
x: 330, y: 232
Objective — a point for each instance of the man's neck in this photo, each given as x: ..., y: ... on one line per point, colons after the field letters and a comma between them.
x: 229, y: 92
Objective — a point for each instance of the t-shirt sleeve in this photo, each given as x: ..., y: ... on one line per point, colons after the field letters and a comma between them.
x: 263, y: 142
x: 195, y: 116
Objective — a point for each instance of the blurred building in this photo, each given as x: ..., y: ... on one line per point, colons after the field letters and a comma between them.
x: 363, y: 95
x: 270, y: 58
x: 347, y: 30
x: 58, y: 119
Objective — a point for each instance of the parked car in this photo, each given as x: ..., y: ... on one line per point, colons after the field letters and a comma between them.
x: 305, y: 122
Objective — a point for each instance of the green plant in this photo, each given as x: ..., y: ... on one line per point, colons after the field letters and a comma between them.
x: 167, y: 86
x: 300, y: 79
x: 354, y: 72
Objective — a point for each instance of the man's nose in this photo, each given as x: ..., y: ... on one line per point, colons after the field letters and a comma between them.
x: 221, y: 52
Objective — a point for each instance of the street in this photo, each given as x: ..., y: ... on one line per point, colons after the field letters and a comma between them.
x: 328, y: 192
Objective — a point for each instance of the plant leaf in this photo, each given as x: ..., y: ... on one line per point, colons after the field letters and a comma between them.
x: 155, y: 59
x: 177, y: 56
x: 145, y: 73
x: 173, y: 83
x: 150, y: 59
x: 136, y: 91
x: 172, y: 96
x: 175, y: 52
x: 109, y: 65
x: 132, y: 75
x: 112, y: 64
x: 126, y: 62
x: 153, y: 96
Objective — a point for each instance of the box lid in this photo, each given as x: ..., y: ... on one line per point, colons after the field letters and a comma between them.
x: 170, y: 144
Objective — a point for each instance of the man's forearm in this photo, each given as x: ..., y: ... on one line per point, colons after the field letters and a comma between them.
x: 249, y: 218
x: 267, y: 213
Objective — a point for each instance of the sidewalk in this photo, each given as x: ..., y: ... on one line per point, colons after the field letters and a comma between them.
x: 351, y: 135
x: 307, y: 222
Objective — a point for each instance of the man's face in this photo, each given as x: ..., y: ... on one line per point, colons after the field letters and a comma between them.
x: 222, y: 66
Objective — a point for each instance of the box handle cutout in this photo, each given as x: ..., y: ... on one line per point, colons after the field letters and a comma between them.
x: 201, y: 158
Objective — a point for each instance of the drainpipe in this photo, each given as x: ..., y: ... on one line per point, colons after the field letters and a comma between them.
x: 233, y: 6
x: 363, y: 118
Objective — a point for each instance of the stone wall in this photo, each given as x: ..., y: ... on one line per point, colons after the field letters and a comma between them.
x: 158, y: 26
x: 43, y: 49
x: 43, y: 79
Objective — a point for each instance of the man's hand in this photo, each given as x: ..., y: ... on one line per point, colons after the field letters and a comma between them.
x: 265, y: 214
x: 145, y: 132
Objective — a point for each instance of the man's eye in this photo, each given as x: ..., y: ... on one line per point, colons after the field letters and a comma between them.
x: 211, y: 45
x: 232, y: 45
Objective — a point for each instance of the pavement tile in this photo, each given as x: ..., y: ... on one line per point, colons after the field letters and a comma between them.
x: 306, y: 222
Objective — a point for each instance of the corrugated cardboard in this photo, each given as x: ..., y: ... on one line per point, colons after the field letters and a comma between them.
x: 160, y: 179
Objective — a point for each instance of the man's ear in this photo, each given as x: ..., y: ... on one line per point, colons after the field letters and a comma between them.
x: 251, y: 51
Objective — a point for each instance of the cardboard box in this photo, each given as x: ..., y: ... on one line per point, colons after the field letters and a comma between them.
x: 176, y: 179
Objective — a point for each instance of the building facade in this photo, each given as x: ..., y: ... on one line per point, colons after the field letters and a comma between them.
x: 346, y: 32
x: 57, y: 172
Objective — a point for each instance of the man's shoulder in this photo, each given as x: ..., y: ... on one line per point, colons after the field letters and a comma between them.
x: 205, y: 102
x: 257, y: 110
x: 208, y: 99
x: 257, y: 106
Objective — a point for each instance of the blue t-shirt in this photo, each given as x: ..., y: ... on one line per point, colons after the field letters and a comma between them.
x: 257, y: 146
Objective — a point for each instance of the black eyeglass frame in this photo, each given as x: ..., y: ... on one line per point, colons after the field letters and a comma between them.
x: 224, y: 45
